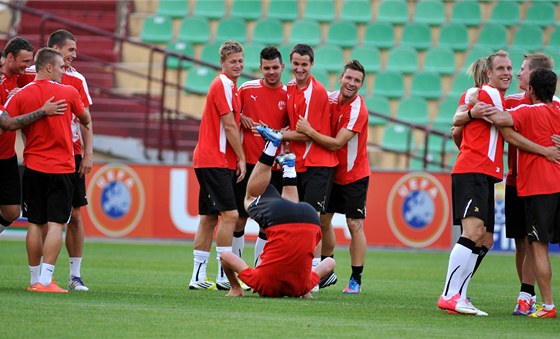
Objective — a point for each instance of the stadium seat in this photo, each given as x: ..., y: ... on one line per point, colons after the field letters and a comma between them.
x: 285, y: 10
x: 416, y: 162
x: 460, y: 84
x: 430, y: 12
x: 198, y: 79
x: 322, y: 76
x: 252, y: 53
x: 194, y: 29
x: 553, y: 46
x: 540, y: 14
x: 380, y: 35
x: 528, y: 37
x: 320, y: 10
x: 514, y: 86
x: 343, y: 33
x: 516, y: 55
x: 369, y: 57
x: 393, y: 12
x: 403, y: 60
x: 417, y: 35
x: 454, y: 36
x: 358, y: 11
x: 231, y: 29
x: 180, y: 47
x: 493, y: 36
x: 444, y: 119
x: 426, y: 85
x: 210, y: 53
x: 215, y: 9
x: 329, y: 58
x: 247, y: 9
x: 466, y: 12
x: 157, y: 29
x: 269, y: 32
x: 397, y: 137
x: 285, y: 51
x: 173, y: 8
x: 389, y: 84
x: 413, y: 110
x: 306, y: 31
x: 378, y: 104
x: 505, y: 13
x: 440, y: 60
x: 474, y: 53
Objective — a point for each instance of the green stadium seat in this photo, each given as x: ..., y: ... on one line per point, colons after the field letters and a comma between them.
x: 413, y: 110
x: 198, y: 79
x: 269, y: 32
x: 306, y: 31
x: 380, y: 35
x: 474, y: 53
x: 403, y: 60
x: 467, y: 13
x: 430, y: 12
x: 285, y: 51
x: 287, y: 74
x: 231, y: 29
x: 343, y: 33
x: 516, y: 55
x: 211, y: 9
x: 378, y: 104
x: 210, y: 53
x: 493, y: 36
x: 454, y: 36
x: 444, y: 119
x: 528, y: 37
x: 397, y: 137
x: 157, y: 29
x: 417, y: 35
x: 194, y: 29
x: 183, y: 48
x: 322, y: 76
x: 173, y: 8
x: 242, y: 79
x: 358, y: 11
x: 329, y: 58
x: 540, y: 14
x: 460, y: 84
x: 252, y: 56
x: 553, y: 46
x: 389, y: 84
x: 505, y: 13
x: 426, y: 85
x: 440, y: 60
x: 285, y: 10
x: 247, y: 9
x: 369, y: 57
x: 514, y: 86
x: 320, y: 10
x: 416, y: 162
x: 394, y: 12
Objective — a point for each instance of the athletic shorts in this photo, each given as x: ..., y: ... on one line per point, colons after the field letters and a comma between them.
x: 266, y: 283
x: 515, y: 214
x: 216, y: 190
x: 47, y: 197
x: 10, y: 183
x: 473, y: 196
x: 314, y: 186
x: 543, y: 217
x: 240, y: 189
x: 349, y: 199
x: 79, y: 197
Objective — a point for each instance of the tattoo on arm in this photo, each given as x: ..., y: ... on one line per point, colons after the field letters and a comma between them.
x: 3, y: 118
x: 26, y: 119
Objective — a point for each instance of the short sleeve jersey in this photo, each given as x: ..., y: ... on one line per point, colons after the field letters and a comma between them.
x: 482, y: 147
x: 261, y: 103
x: 48, y: 141
x: 213, y: 150
x: 8, y: 138
x: 311, y: 103
x: 353, y: 161
x: 537, y: 123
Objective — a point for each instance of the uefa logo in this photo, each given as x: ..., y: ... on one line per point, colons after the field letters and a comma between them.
x: 418, y: 209
x: 116, y: 200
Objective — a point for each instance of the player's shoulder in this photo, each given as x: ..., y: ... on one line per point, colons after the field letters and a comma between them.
x: 256, y: 83
x: 333, y: 96
x: 71, y: 71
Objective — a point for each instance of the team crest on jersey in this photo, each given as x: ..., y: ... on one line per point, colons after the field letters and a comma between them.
x: 281, y: 105
x: 116, y: 199
x: 418, y: 209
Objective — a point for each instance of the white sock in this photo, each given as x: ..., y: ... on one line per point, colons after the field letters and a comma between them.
x: 34, y: 271
x: 270, y: 149
x: 259, y: 246
x: 458, y: 260
x: 219, y: 249
x: 315, y: 262
x: 525, y: 296
x: 468, y: 275
x: 75, y: 265
x: 47, y: 271
x: 547, y: 307
x: 200, y: 263
x: 288, y: 171
x: 237, y: 245
x: 2, y: 228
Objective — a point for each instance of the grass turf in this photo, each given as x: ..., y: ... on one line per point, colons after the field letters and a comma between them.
x: 140, y: 290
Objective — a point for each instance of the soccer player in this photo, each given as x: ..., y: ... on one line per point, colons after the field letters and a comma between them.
x: 49, y: 166
x: 538, y: 180
x: 283, y: 270
x: 262, y: 101
x: 18, y: 55
x: 217, y: 158
x: 349, y: 118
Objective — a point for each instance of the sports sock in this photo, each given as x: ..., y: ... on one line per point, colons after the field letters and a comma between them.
x: 259, y: 246
x: 47, y: 271
x: 289, y: 176
x: 357, y: 273
x: 238, y: 243
x: 524, y: 296
x: 483, y: 251
x: 529, y: 289
x: 270, y: 149
x: 315, y: 262
x: 200, y: 263
x: 467, y: 274
x: 547, y: 307
x: 323, y: 257
x: 75, y: 266
x: 2, y: 228
x: 4, y: 223
x: 34, y: 272
x: 219, y: 249
x: 458, y: 260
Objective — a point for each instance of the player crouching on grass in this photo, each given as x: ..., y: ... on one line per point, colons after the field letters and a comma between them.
x: 292, y: 228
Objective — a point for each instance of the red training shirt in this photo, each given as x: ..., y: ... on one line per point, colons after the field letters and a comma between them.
x: 8, y: 138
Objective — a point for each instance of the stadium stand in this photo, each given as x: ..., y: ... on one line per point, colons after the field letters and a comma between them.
x: 343, y: 33
x: 378, y: 104
x: 231, y: 28
x: 467, y: 13
x: 305, y: 31
x: 358, y: 11
x: 173, y: 8
x: 461, y: 83
x: 440, y: 60
x: 269, y: 31
x: 505, y: 13
x: 413, y: 109
x: 198, y: 79
x: 320, y: 10
x: 247, y: 9
x: 329, y: 57
x: 430, y: 12
x: 157, y: 29
x: 285, y: 10
x: 403, y: 60
x: 474, y: 53
x: 444, y: 119
x: 180, y: 47
x: 215, y: 9
x: 194, y: 29
x: 252, y: 53
x: 553, y: 46
x: 393, y: 12
x: 455, y: 36
x: 397, y: 137
x: 540, y: 13
x: 426, y: 85
x: 493, y: 36
x: 380, y: 35
x: 417, y: 35
x: 369, y: 56
x: 528, y: 37
x: 389, y: 84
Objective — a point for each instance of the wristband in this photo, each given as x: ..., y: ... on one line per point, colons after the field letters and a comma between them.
x: 469, y: 113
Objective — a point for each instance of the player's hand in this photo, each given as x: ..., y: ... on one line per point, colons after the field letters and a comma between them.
x: 552, y: 153
x: 86, y: 165
x: 474, y: 98
x: 303, y: 126
x: 52, y: 107
x: 556, y: 140
x: 247, y: 122
x: 241, y: 170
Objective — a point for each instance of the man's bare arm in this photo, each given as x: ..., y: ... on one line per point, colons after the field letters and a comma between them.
x: 20, y: 121
x: 325, y: 141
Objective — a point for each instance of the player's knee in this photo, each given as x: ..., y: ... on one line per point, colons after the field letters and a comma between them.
x: 355, y: 226
x: 11, y: 213
x: 76, y: 217
x: 330, y: 263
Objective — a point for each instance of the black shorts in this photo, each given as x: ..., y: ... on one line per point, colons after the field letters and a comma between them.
x: 314, y: 186
x: 515, y: 214
x: 349, y: 199
x: 240, y: 189
x: 271, y: 209
x: 473, y: 196
x: 47, y: 197
x: 543, y: 217
x: 79, y: 197
x: 10, y: 183
x: 216, y: 190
